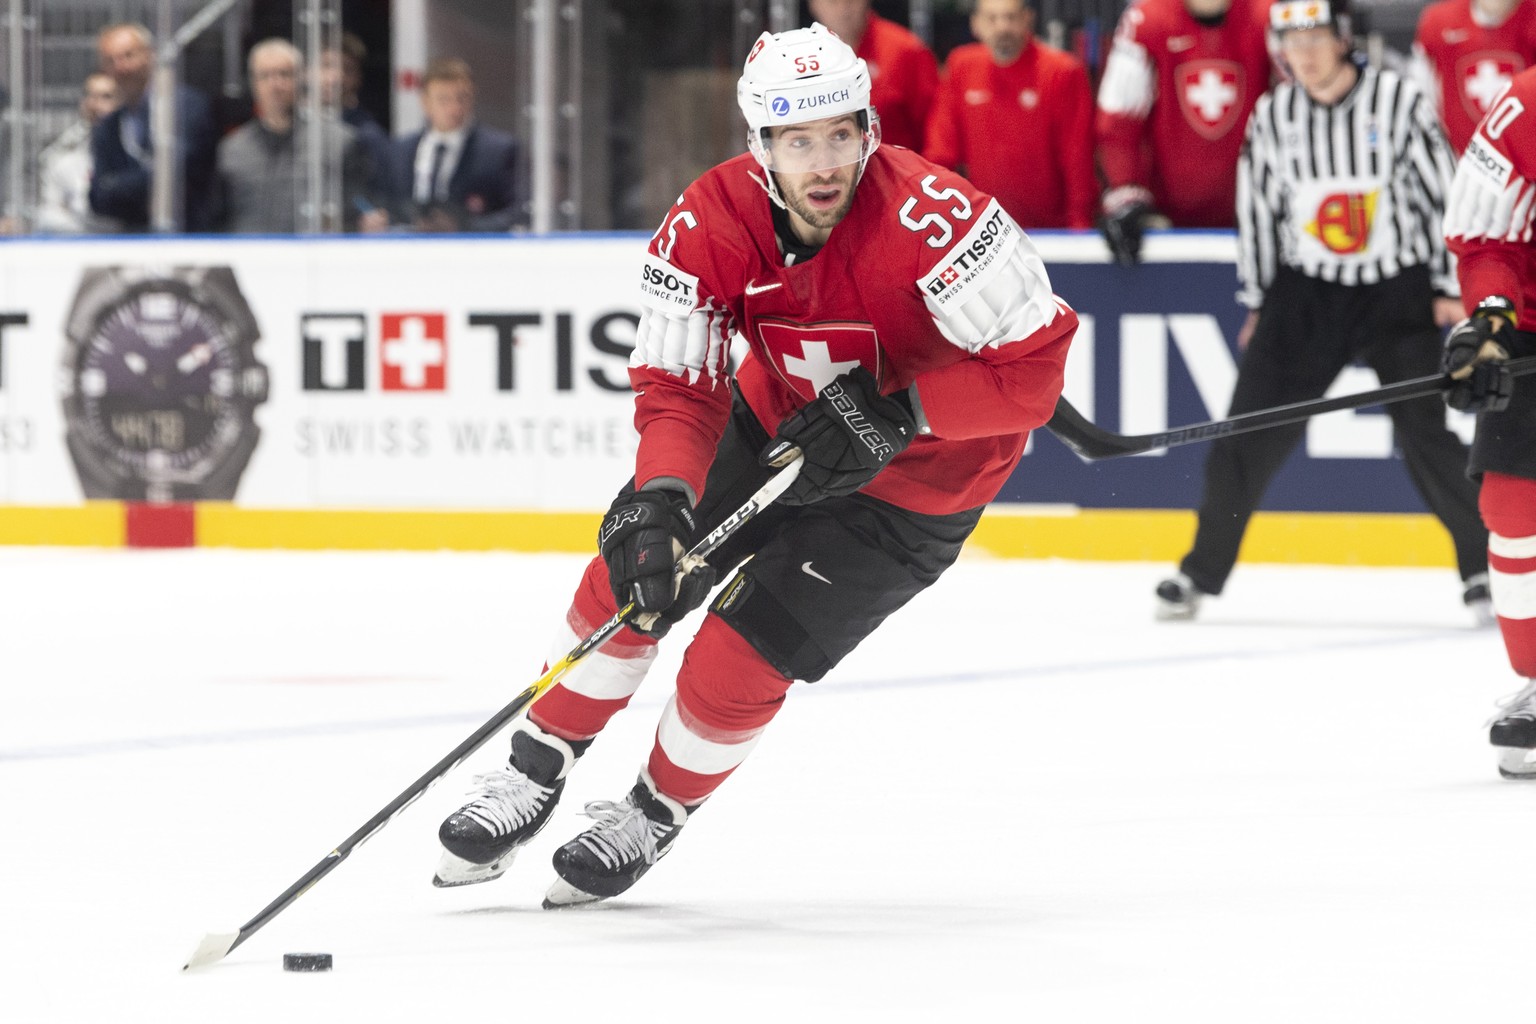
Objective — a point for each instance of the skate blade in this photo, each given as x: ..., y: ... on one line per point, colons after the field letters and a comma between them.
x: 1517, y: 763
x: 454, y: 871
x: 563, y: 894
x: 1168, y: 612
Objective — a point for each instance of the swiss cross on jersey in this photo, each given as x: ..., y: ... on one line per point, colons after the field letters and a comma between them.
x: 413, y: 351
x: 1484, y: 76
x: 808, y: 357
x: 1210, y: 94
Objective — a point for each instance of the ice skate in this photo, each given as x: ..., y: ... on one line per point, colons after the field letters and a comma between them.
x: 481, y: 839
x: 1178, y: 598
x: 608, y: 858
x: 1479, y: 601
x: 1513, y: 731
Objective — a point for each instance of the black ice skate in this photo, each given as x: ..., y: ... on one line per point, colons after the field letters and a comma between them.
x: 1178, y: 598
x: 481, y: 838
x: 1514, y: 733
x: 609, y: 857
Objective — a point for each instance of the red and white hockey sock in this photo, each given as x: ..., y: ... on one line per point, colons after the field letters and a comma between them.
x: 580, y: 704
x: 726, y: 696
x: 1509, y: 510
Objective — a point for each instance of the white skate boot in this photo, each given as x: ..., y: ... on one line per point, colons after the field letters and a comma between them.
x: 1513, y: 731
x: 481, y: 838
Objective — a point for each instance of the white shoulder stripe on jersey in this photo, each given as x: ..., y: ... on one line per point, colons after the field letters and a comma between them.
x: 1488, y: 199
x: 1129, y: 84
x: 683, y: 344
x: 990, y: 287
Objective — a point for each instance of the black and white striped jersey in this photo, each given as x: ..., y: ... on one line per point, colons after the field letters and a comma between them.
x: 1351, y: 193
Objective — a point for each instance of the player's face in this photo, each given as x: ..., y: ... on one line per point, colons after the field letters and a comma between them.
x: 1314, y: 55
x: 816, y: 165
x: 1003, y: 26
x: 1497, y: 10
x: 1207, y: 8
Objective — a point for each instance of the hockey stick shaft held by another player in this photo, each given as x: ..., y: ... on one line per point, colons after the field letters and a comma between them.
x: 1093, y: 442
x: 215, y: 947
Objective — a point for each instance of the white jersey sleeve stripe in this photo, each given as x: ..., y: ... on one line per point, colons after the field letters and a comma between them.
x: 1129, y: 85
x: 990, y: 287
x: 690, y: 345
x: 1488, y: 200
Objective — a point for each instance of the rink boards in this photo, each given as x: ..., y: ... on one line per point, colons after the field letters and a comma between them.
x: 471, y: 394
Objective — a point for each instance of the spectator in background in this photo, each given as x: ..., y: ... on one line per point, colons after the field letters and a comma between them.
x: 1465, y: 54
x: 456, y: 175
x: 259, y: 163
x: 342, y: 77
x: 1177, y: 90
x: 122, y: 144
x: 903, y: 72
x: 1015, y: 116
x: 64, y: 167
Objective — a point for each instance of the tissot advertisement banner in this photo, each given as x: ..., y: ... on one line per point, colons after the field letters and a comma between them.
x: 490, y: 373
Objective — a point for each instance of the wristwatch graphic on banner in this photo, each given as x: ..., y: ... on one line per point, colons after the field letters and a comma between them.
x: 161, y: 383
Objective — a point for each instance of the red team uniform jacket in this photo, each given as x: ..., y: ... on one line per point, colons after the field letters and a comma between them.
x: 1024, y: 132
x: 1491, y: 214
x: 926, y: 279
x: 903, y: 77
x: 1174, y: 102
x: 1465, y: 66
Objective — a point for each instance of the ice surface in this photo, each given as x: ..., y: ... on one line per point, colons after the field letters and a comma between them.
x: 1024, y: 799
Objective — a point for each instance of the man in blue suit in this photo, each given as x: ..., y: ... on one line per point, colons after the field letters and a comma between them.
x: 122, y: 149
x: 456, y: 175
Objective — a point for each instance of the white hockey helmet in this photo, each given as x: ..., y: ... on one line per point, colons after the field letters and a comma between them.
x: 1286, y: 15
x: 805, y: 74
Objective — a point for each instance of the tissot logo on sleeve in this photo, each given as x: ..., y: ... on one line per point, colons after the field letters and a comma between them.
x: 413, y: 351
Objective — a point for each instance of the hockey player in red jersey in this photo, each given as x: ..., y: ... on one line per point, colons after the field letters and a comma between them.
x: 1488, y: 224
x: 903, y: 73
x: 1173, y: 102
x: 902, y: 334
x: 1465, y: 54
x: 1015, y: 116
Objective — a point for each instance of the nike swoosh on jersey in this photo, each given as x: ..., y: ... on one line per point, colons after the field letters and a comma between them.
x: 806, y: 568
x: 753, y: 288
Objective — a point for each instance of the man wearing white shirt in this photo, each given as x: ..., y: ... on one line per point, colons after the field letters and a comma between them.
x: 64, y: 167
x: 457, y: 175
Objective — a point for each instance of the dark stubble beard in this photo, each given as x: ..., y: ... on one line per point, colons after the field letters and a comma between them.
x: 823, y: 219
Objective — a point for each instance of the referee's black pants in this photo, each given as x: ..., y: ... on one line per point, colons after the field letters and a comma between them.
x: 1307, y: 332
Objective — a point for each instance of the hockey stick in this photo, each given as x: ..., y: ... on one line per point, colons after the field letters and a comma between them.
x: 215, y: 947
x: 1093, y: 442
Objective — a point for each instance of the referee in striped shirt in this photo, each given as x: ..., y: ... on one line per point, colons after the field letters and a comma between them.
x: 1340, y: 193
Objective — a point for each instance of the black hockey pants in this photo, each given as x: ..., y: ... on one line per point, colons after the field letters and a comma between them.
x: 1307, y: 332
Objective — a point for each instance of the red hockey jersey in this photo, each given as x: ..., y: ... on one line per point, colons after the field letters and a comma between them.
x: 1023, y: 132
x: 1173, y: 103
x: 925, y: 280
x: 1491, y: 215
x: 1465, y: 65
x: 903, y: 76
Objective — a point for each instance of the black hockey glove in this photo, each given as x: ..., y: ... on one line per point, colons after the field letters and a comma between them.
x: 1123, y: 221
x: 642, y: 537
x: 1476, y: 361
x: 847, y: 435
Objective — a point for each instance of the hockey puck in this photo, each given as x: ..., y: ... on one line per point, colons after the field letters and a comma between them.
x: 306, y: 961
